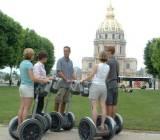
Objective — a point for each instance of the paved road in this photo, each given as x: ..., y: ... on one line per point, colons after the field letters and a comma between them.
x: 73, y: 135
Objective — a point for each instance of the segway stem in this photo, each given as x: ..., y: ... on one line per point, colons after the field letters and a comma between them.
x: 35, y: 106
x: 68, y: 105
x: 47, y: 101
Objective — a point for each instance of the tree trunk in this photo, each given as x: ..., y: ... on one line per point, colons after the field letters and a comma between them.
x: 10, y: 77
x: 154, y: 83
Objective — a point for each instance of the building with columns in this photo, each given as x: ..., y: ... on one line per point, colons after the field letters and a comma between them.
x: 110, y: 33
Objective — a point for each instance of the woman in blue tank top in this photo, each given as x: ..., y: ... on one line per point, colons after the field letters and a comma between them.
x: 26, y: 88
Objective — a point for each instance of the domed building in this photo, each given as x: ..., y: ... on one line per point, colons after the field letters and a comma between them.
x: 110, y: 33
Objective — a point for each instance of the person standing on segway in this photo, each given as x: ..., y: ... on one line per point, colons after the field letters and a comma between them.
x: 66, y: 72
x: 112, y: 83
x: 40, y: 72
x: 26, y: 88
x: 97, y: 92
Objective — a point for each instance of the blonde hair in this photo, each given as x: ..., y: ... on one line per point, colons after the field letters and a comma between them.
x: 28, y: 53
x: 103, y: 56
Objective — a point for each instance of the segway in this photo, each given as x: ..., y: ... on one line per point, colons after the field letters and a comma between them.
x: 119, y: 123
x: 75, y: 87
x: 63, y: 121
x: 84, y: 88
x: 45, y: 119
x: 88, y: 130
x: 45, y: 114
x: 55, y: 85
x: 30, y: 129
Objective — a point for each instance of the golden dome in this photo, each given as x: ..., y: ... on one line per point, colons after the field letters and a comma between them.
x: 110, y: 24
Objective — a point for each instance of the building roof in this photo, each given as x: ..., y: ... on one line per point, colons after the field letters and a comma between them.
x: 110, y: 24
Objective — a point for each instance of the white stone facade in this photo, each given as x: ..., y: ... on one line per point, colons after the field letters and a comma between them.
x: 110, y: 33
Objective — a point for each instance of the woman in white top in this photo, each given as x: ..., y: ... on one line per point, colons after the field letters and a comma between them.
x: 98, y: 90
x: 40, y: 72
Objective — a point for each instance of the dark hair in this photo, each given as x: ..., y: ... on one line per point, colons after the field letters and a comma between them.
x: 111, y: 49
x: 67, y: 47
x: 103, y: 56
x: 42, y: 55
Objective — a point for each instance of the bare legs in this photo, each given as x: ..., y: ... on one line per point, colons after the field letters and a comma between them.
x: 103, y: 110
x: 25, y: 105
x: 56, y: 107
x: 111, y: 110
x: 60, y: 100
x: 95, y: 112
x: 60, y: 107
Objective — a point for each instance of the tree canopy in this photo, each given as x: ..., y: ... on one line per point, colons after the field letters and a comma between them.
x: 13, y: 40
x: 10, y: 39
x: 152, y: 57
x: 156, y: 55
x: 38, y: 43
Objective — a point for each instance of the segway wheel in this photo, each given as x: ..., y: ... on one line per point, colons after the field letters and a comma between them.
x: 30, y: 129
x: 110, y: 124
x: 119, y: 123
x: 70, y: 117
x: 86, y: 129
x: 57, y: 121
x: 48, y: 120
x: 13, y: 128
x: 42, y: 121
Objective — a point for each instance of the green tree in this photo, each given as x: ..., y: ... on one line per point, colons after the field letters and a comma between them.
x: 49, y: 48
x: 10, y: 40
x: 152, y: 58
x: 148, y: 52
x: 13, y: 40
x: 38, y: 43
x: 155, y: 58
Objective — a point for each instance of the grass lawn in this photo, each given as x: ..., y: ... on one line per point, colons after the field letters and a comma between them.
x: 140, y: 110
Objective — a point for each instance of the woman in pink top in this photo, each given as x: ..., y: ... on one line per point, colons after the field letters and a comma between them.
x: 40, y: 72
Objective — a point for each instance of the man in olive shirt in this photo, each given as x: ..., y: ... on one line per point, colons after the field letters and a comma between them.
x: 112, y: 83
x: 66, y: 72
